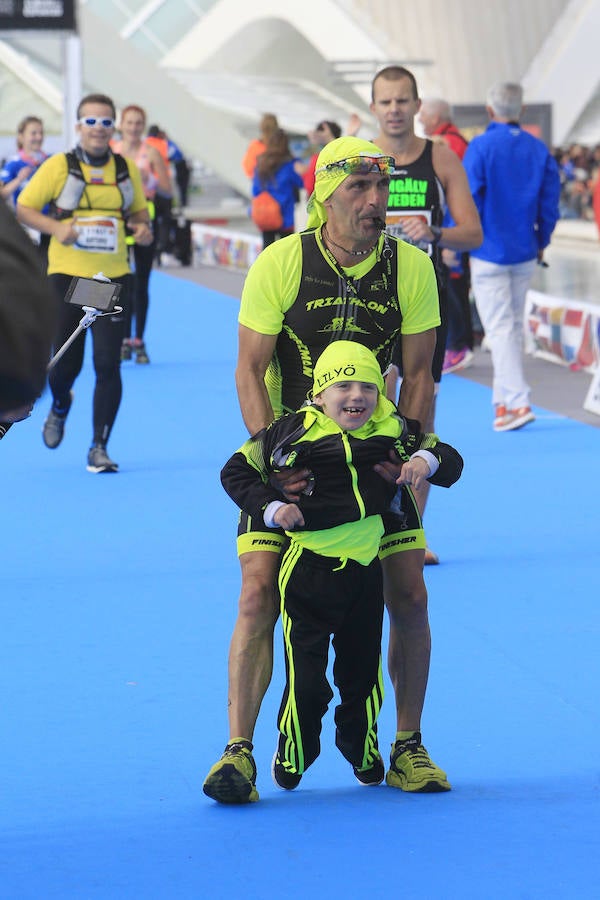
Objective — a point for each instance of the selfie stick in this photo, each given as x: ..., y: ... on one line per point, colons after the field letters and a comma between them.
x: 90, y: 316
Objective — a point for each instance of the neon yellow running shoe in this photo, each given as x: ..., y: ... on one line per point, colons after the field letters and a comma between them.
x: 412, y: 769
x: 233, y: 778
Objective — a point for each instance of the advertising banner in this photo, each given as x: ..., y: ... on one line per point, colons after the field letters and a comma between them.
x: 37, y: 15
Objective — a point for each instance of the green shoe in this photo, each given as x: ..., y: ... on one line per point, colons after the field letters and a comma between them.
x: 233, y: 778
x: 411, y: 768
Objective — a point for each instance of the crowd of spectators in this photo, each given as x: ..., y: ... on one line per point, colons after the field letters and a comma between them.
x: 579, y: 168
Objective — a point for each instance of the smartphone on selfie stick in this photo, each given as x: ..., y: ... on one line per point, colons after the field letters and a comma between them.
x: 96, y: 296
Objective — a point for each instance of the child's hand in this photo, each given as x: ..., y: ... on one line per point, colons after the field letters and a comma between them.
x: 289, y: 517
x: 389, y: 469
x: 414, y: 473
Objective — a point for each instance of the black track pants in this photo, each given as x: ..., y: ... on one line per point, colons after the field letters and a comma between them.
x: 321, y: 597
x: 107, y: 335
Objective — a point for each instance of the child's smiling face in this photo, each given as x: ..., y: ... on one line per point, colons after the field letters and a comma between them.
x: 349, y: 403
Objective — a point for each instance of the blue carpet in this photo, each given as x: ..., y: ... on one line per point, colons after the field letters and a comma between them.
x: 118, y: 599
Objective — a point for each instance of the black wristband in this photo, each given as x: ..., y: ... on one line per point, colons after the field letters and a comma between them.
x: 437, y: 234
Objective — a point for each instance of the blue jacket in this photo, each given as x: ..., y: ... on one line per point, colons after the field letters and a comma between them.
x: 516, y: 187
x: 13, y: 166
x: 283, y: 186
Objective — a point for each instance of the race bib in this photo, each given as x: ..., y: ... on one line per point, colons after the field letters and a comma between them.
x: 393, y: 223
x: 97, y: 234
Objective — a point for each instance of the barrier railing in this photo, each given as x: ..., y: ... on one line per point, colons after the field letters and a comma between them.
x: 223, y: 247
x: 566, y: 332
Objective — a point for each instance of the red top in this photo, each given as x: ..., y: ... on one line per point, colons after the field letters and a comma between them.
x: 596, y: 202
x: 309, y: 175
x: 452, y: 136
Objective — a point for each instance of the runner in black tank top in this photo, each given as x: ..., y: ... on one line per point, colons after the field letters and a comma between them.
x: 423, y: 168
x: 415, y: 190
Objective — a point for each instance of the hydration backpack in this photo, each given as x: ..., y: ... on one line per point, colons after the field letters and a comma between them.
x: 74, y: 187
x: 265, y: 212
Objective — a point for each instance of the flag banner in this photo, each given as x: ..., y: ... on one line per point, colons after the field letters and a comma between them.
x: 563, y: 331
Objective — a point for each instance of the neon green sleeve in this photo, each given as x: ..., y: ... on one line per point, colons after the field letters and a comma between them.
x: 417, y: 290
x: 271, y: 286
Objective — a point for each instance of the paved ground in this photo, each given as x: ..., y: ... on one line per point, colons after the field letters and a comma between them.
x: 119, y: 596
x: 553, y: 387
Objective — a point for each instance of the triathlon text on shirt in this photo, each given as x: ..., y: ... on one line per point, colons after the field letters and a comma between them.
x: 371, y: 305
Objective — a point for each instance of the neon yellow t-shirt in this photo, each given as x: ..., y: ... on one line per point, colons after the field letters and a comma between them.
x: 272, y: 284
x: 101, y: 246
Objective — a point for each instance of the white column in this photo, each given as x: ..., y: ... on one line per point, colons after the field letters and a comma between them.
x: 73, y: 85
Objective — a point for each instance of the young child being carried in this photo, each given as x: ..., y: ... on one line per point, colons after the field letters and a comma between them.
x: 330, y: 578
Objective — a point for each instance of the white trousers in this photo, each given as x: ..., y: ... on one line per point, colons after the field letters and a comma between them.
x: 500, y: 297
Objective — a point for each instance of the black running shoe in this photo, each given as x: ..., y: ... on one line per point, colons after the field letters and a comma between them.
x: 371, y: 775
x: 54, y: 426
x: 99, y: 461
x: 283, y: 779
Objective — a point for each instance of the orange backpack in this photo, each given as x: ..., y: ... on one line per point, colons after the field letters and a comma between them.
x: 265, y: 212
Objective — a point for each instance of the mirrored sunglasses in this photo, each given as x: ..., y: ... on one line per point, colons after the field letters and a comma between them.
x: 361, y: 165
x: 90, y: 121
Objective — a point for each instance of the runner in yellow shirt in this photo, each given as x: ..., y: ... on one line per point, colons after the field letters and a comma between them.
x: 93, y: 195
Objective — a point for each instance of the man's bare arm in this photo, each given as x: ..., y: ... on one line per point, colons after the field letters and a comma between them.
x: 416, y: 390
x: 466, y: 233
x: 255, y: 351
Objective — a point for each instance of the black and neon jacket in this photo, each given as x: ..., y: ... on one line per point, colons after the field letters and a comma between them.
x: 342, y: 513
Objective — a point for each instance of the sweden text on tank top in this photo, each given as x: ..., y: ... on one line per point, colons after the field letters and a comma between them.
x: 328, y: 308
x: 415, y: 190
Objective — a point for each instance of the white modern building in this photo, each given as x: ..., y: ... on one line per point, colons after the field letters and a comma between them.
x: 205, y: 70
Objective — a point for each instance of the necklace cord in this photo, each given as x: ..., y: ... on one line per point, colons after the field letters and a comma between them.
x: 328, y: 239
